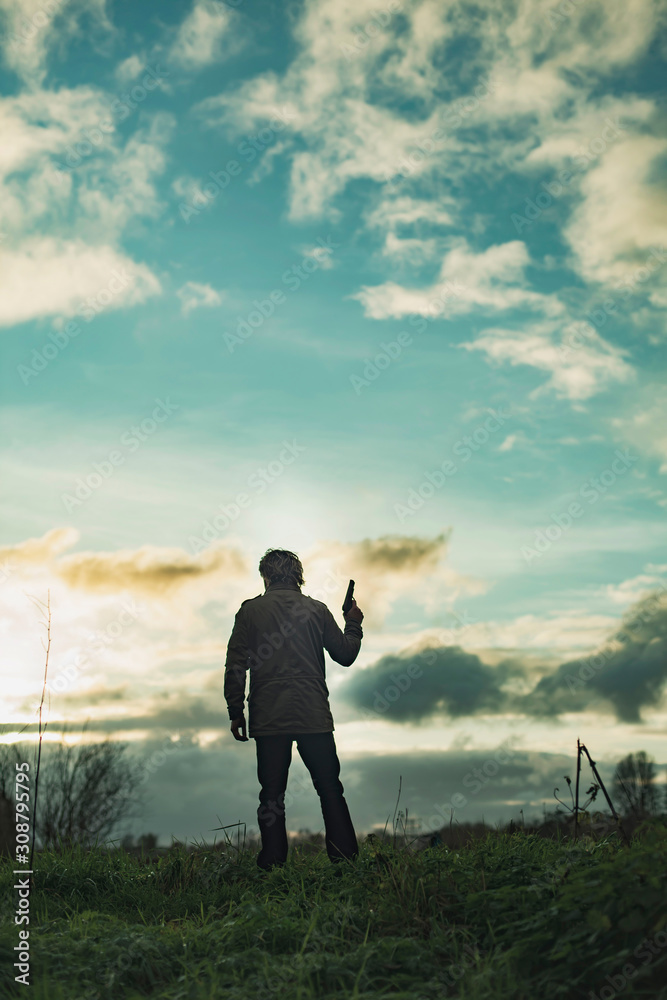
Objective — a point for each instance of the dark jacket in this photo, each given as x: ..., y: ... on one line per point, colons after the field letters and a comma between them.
x: 281, y: 635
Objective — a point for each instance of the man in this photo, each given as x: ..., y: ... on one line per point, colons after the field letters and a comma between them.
x: 281, y: 635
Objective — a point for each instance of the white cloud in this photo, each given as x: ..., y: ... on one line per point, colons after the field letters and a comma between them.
x: 508, y: 443
x: 623, y: 214
x: 129, y: 69
x: 659, y: 298
x: 323, y: 255
x: 392, y: 213
x: 633, y: 590
x: 185, y: 186
x: 581, y: 440
x: 33, y: 27
x: 40, y: 551
x: 116, y: 615
x: 46, y: 277
x: 394, y: 568
x: 357, y: 140
x: 546, y: 65
x: 62, y: 228
x: 194, y: 296
x: 39, y: 124
x: 537, y: 97
x: 645, y: 424
x: 403, y: 220
x: 568, y: 629
x: 411, y: 249
x: 490, y: 280
x: 542, y: 76
x: 591, y: 132
x: 325, y: 90
x: 200, y: 37
x: 574, y: 374
x: 128, y: 190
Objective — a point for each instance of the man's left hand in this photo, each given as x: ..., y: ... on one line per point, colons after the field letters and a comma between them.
x: 239, y: 729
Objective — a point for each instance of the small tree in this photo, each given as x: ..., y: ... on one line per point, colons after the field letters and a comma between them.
x: 85, y: 791
x: 11, y: 754
x: 634, y: 784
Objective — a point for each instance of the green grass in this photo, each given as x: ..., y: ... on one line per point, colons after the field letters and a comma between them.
x: 511, y: 917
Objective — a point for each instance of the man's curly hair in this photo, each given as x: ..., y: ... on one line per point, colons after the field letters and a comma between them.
x: 281, y: 566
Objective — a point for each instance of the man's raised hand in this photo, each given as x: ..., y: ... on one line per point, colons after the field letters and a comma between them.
x: 355, y: 614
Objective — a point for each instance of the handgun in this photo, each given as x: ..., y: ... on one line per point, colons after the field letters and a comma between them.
x: 349, y: 598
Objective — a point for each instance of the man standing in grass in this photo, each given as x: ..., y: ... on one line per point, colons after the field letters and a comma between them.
x: 281, y: 635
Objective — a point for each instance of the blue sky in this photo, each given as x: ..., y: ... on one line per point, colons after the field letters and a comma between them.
x: 409, y: 262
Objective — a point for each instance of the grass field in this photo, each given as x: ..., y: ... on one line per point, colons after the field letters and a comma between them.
x: 512, y: 916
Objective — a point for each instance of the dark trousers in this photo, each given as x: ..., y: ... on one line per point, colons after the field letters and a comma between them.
x: 318, y: 752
